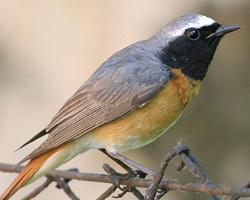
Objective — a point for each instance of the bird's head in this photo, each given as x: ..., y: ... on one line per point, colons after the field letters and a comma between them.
x: 189, y: 43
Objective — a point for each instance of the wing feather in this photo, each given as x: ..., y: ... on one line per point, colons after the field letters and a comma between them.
x: 112, y: 91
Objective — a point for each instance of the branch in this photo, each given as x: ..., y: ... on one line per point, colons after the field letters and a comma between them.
x: 238, y: 197
x: 117, y: 179
x: 107, y: 193
x: 38, y: 190
x: 209, y: 188
x: 152, y: 190
x: 62, y: 184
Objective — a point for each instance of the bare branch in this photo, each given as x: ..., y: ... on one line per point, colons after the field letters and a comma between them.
x: 38, y: 190
x: 140, y: 182
x: 238, y: 197
x: 196, y: 168
x: 133, y: 179
x: 130, y: 171
x: 107, y: 193
x: 152, y: 190
x: 117, y: 179
x: 64, y: 185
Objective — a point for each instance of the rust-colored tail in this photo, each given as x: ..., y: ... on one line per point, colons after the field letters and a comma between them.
x: 26, y: 174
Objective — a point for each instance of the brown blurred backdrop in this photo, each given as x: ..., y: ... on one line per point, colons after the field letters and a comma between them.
x: 48, y: 48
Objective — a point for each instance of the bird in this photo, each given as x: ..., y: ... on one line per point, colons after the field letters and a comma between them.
x: 134, y: 97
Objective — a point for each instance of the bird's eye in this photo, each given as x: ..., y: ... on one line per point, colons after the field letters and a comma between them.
x: 193, y: 34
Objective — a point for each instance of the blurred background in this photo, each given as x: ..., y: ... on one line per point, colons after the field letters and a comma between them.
x: 49, y: 48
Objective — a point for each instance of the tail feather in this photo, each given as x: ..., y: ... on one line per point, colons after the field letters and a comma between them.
x: 26, y: 174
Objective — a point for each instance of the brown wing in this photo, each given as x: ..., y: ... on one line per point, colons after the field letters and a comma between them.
x: 110, y: 93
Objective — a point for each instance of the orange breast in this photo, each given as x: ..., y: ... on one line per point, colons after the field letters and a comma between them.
x: 145, y: 124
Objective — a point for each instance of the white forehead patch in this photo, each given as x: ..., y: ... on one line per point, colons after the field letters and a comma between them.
x: 202, y: 21
x: 196, y: 21
x: 178, y: 26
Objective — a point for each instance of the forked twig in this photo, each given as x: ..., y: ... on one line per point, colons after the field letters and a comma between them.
x: 107, y: 193
x: 38, y: 190
x: 235, y: 197
x: 65, y: 187
x: 118, y: 178
x: 152, y: 190
x: 132, y: 181
x: 187, y: 159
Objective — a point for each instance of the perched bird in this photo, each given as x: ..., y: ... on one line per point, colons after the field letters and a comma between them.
x: 131, y: 99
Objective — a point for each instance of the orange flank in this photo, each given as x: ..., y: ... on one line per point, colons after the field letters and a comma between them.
x: 143, y: 125
x: 28, y: 172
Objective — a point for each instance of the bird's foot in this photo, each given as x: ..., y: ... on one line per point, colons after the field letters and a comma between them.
x: 117, y: 179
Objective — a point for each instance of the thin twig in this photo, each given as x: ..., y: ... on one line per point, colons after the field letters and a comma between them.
x: 152, y: 190
x: 131, y: 172
x: 38, y: 190
x: 196, y: 168
x: 194, y: 165
x: 238, y: 197
x: 64, y: 185
x: 189, y: 160
x: 117, y: 179
x: 136, y: 193
x: 107, y: 193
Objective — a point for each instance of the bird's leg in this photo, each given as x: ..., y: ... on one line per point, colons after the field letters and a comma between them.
x: 117, y: 178
x: 122, y: 164
x: 131, y: 162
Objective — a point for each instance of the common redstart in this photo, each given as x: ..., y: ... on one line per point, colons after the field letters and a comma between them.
x: 131, y: 99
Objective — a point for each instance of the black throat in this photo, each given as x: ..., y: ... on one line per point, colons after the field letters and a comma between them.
x: 193, y: 57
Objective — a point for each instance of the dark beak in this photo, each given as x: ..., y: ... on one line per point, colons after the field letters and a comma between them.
x: 222, y: 30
